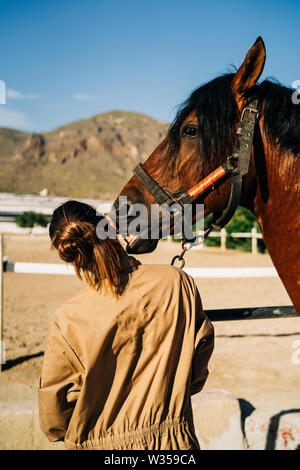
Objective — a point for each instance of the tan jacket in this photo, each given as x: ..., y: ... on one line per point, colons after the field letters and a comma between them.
x: 119, y: 373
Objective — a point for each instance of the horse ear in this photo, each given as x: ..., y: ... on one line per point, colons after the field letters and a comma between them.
x: 249, y: 72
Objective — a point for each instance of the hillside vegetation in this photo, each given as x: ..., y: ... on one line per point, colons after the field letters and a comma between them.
x: 91, y: 158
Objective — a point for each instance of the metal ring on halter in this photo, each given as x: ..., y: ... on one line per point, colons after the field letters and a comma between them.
x: 180, y: 258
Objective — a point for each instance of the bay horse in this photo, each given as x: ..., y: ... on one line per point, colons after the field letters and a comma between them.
x: 203, y: 135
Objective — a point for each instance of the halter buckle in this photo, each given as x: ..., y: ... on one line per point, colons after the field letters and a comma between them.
x: 249, y: 108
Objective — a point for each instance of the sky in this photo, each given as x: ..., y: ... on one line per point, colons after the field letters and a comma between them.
x: 65, y: 60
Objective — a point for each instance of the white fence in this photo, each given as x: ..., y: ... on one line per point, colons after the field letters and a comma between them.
x: 14, y: 204
x: 223, y: 235
x: 13, y: 229
x: 254, y: 235
x: 204, y: 273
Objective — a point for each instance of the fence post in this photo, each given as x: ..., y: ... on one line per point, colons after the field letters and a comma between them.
x: 2, y: 351
x: 223, y: 239
x: 254, y: 241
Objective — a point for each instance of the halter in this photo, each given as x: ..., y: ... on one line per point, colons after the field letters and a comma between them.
x: 236, y: 166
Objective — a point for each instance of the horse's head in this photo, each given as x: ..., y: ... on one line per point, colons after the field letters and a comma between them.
x: 200, y: 139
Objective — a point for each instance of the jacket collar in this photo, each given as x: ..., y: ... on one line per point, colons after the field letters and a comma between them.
x: 129, y: 264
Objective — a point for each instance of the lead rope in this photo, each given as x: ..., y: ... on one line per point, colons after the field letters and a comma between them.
x: 184, y: 248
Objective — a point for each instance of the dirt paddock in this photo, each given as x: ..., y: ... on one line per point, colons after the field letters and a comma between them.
x: 252, y: 358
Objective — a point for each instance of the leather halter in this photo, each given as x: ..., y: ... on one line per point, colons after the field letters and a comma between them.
x: 236, y: 166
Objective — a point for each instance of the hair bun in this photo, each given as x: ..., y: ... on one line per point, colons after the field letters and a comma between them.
x: 77, y: 242
x: 73, y: 233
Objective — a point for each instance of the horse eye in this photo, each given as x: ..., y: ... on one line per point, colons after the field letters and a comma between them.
x: 190, y: 131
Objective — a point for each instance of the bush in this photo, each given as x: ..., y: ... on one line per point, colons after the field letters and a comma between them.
x: 29, y: 219
x: 242, y: 221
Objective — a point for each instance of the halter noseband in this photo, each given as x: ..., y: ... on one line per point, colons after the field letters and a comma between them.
x: 240, y: 155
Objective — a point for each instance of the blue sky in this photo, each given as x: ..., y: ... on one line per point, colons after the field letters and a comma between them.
x: 67, y: 60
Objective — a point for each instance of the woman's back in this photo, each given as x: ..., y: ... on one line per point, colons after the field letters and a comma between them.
x: 119, y: 371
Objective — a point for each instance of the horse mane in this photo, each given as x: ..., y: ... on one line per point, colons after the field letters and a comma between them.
x: 217, y: 116
x: 281, y: 115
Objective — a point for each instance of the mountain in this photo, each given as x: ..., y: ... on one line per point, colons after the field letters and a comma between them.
x: 90, y: 158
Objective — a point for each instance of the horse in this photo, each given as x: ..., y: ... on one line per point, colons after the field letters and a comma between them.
x: 203, y: 136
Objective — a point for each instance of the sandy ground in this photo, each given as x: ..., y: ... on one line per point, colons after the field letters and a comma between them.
x: 252, y: 358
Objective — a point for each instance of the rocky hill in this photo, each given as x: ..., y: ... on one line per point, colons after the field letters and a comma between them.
x: 91, y: 158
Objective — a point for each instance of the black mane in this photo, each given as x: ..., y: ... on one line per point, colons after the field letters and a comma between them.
x: 281, y: 115
x: 217, y: 116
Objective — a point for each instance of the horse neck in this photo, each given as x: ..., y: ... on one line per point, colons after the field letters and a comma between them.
x: 277, y: 208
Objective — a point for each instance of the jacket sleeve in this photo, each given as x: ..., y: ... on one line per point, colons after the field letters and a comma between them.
x: 59, y: 385
x: 204, y: 345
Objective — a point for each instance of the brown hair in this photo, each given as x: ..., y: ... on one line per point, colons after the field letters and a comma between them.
x: 73, y: 233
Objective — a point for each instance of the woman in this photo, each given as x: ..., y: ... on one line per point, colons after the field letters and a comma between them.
x: 124, y: 355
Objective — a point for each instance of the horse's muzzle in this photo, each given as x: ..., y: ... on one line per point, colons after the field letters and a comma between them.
x: 139, y: 246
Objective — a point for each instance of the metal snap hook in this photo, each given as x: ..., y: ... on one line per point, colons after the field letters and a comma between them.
x: 179, y: 258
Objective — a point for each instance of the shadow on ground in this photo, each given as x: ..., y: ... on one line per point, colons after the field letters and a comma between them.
x: 19, y: 360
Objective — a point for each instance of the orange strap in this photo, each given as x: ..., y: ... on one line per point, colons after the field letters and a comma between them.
x: 208, y: 181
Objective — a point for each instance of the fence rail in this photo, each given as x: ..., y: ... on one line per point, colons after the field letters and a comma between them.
x: 223, y: 235
x: 255, y: 313
x: 64, y: 269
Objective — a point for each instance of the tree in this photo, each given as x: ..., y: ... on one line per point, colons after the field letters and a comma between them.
x: 29, y: 219
x: 242, y: 221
